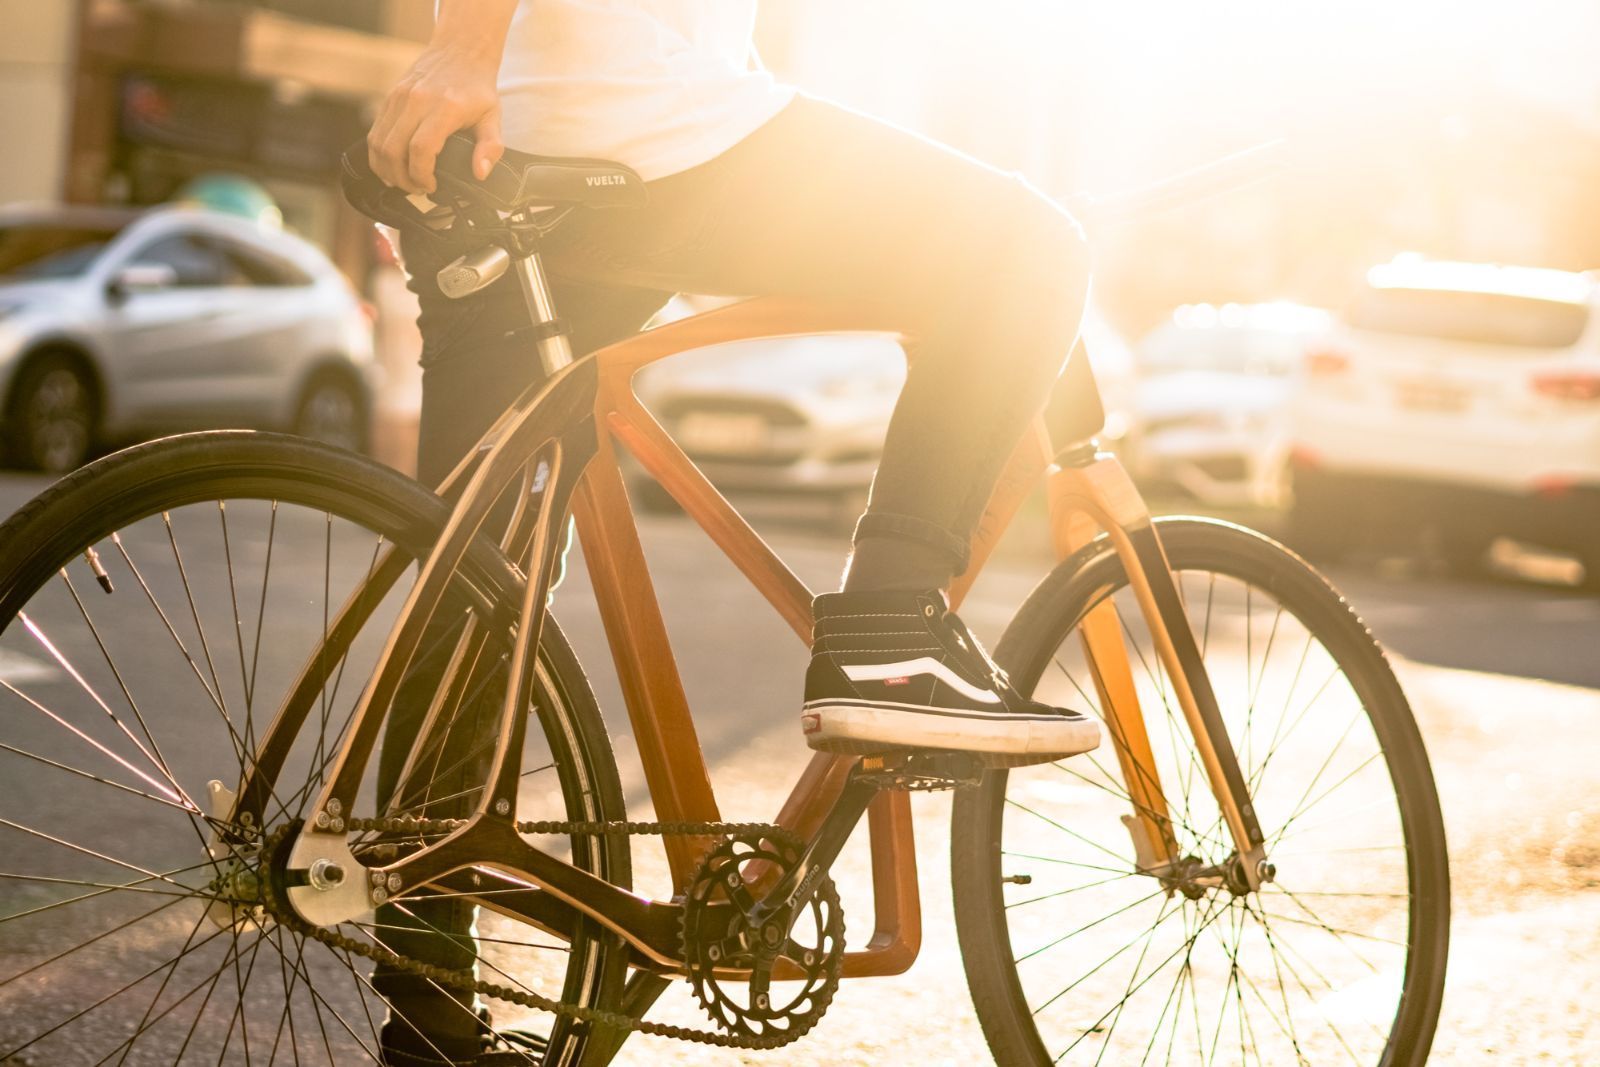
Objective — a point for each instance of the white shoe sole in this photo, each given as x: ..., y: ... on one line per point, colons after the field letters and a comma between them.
x: 1002, y: 739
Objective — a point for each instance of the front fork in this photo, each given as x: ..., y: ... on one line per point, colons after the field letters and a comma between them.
x: 1090, y: 492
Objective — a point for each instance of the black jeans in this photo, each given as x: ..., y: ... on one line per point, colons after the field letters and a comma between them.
x: 822, y: 203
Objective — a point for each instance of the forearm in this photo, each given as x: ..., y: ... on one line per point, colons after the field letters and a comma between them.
x: 474, y: 27
x: 450, y: 87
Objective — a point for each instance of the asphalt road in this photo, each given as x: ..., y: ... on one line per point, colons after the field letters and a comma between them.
x: 741, y: 664
x: 1501, y: 673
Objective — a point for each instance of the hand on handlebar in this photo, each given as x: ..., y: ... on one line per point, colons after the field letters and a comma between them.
x: 447, y: 89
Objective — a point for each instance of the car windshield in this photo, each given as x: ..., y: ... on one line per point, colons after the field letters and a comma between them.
x: 33, y: 252
x: 1482, y: 318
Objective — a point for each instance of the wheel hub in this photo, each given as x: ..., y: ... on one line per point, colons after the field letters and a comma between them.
x: 1196, y: 879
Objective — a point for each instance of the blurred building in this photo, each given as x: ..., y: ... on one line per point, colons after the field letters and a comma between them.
x: 166, y: 90
x: 130, y: 101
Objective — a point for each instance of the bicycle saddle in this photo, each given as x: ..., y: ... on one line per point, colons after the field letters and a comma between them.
x: 518, y: 182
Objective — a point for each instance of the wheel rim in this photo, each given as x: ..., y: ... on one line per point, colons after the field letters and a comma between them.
x: 58, y: 420
x: 115, y: 711
x: 1113, y: 969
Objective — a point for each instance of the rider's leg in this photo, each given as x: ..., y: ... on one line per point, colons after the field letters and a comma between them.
x: 991, y: 278
x: 824, y: 203
x: 476, y: 359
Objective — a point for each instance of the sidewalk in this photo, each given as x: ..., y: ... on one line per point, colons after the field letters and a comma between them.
x: 1514, y: 761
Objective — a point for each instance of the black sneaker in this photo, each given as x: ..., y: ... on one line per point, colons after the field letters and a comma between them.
x: 900, y: 670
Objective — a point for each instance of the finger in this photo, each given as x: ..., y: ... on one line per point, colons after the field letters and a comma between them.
x: 394, y: 154
x: 382, y: 126
x: 489, y: 147
x: 423, y: 151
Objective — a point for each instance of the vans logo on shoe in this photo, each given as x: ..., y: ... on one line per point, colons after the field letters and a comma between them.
x: 902, y: 680
x: 606, y: 179
x: 810, y: 724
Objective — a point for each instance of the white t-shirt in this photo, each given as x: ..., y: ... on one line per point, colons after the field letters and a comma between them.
x: 661, y: 85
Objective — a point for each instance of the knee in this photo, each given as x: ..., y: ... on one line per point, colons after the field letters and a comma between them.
x: 1048, y: 253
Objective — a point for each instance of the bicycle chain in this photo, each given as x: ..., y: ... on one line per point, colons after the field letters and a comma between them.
x: 463, y: 980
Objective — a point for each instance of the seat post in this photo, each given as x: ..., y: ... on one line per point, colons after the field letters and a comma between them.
x: 555, y: 347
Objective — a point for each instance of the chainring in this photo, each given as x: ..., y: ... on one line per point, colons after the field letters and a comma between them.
x: 731, y: 963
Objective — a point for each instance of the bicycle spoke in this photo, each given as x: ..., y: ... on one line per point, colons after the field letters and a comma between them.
x: 144, y: 1022
x: 175, y: 791
x: 1204, y: 924
x: 261, y: 608
x: 88, y: 852
x: 1085, y: 927
x: 194, y: 613
x: 14, y: 1053
x: 96, y: 938
x: 317, y: 1002
x: 112, y: 888
x: 133, y: 705
x: 1064, y: 892
x: 1232, y: 980
x: 146, y: 955
x: 1070, y: 833
x: 1338, y: 1034
x: 46, y: 761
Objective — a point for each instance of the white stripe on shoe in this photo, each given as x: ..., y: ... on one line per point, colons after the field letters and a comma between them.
x: 878, y: 672
x: 863, y: 729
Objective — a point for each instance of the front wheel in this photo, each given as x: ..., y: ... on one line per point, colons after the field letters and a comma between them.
x: 1075, y: 956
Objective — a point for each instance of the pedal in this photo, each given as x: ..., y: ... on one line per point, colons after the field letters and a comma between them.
x: 921, y: 772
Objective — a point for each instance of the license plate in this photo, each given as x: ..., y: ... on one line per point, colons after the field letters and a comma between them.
x: 722, y: 432
x: 1431, y: 396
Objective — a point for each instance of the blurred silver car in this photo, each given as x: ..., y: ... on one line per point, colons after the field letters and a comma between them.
x: 117, y: 325
x: 791, y: 415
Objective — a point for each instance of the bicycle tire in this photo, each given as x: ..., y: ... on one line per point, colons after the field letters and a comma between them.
x: 160, y: 485
x: 998, y: 942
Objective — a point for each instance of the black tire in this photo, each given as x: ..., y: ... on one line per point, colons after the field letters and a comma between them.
x: 333, y: 411
x: 52, y: 416
x: 330, y: 513
x: 1385, y: 834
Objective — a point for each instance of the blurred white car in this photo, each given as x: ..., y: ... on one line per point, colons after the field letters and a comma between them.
x: 117, y: 325
x: 1209, y: 404
x: 1462, y: 400
x: 780, y: 415
x: 806, y: 415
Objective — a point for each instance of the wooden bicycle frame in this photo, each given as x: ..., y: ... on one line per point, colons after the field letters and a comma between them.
x: 561, y: 440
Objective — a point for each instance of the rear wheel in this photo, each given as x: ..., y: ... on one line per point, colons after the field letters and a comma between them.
x: 157, y: 607
x: 1073, y: 955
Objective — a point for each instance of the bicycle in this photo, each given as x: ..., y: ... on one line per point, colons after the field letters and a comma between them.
x: 1221, y: 879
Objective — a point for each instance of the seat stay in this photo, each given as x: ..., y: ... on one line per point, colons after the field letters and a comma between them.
x: 555, y: 423
x: 255, y: 791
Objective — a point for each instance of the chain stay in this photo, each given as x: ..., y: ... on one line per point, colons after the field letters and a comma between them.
x: 463, y: 980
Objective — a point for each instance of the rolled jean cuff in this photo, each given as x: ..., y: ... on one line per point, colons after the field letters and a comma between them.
x: 923, y: 532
